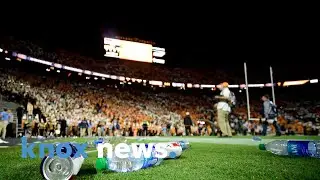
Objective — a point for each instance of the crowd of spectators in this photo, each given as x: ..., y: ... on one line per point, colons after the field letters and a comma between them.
x: 61, y: 107
x: 124, y: 110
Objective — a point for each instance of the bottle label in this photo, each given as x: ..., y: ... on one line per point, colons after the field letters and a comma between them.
x: 298, y: 148
x: 150, y: 162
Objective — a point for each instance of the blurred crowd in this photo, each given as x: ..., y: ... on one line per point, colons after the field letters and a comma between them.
x: 52, y: 106
x: 62, y: 108
x: 111, y: 109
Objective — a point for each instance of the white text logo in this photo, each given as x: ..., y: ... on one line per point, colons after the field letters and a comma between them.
x: 123, y: 150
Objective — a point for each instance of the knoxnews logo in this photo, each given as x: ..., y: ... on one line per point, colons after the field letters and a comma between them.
x: 122, y: 150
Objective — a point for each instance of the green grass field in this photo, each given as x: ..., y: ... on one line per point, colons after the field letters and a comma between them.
x: 201, y: 161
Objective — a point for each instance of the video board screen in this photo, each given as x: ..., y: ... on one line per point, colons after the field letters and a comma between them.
x: 128, y: 50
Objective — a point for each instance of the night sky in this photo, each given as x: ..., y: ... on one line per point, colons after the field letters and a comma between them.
x: 211, y: 43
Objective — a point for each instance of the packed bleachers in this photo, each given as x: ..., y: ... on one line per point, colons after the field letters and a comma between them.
x: 114, y: 109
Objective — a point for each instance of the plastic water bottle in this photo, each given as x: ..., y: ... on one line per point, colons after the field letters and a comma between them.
x: 119, y: 164
x: 127, y: 164
x: 184, y: 145
x: 293, y: 148
x: 174, y: 149
x: 152, y: 160
x: 256, y: 138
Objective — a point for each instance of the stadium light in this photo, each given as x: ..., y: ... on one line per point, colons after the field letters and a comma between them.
x: 207, y: 86
x: 73, y: 69
x: 87, y: 72
x: 160, y: 61
x: 255, y: 85
x: 233, y: 86
x: 156, y: 83
x: 189, y: 85
x: 57, y: 65
x: 293, y: 83
x: 121, y: 78
x: 314, y: 81
x: 21, y: 56
x: 268, y: 85
x: 196, y: 86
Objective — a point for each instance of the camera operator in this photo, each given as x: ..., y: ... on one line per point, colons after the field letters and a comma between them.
x: 224, y: 109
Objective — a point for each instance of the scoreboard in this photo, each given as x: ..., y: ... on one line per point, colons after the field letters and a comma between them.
x: 134, y: 51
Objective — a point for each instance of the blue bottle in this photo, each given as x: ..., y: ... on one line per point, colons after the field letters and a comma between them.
x: 293, y: 148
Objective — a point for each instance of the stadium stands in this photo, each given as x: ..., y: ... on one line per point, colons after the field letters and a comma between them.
x: 108, y: 105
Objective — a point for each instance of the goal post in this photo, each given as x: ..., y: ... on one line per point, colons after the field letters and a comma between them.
x: 247, y: 91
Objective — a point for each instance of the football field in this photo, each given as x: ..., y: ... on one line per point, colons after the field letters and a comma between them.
x: 208, y: 158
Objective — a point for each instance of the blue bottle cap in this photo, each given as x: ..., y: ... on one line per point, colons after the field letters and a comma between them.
x: 172, y: 155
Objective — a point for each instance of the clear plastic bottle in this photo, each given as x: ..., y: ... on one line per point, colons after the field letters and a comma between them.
x: 152, y: 160
x: 119, y: 164
x: 184, y: 145
x: 127, y: 164
x: 293, y: 148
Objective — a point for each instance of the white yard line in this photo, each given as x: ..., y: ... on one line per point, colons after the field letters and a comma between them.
x: 92, y: 151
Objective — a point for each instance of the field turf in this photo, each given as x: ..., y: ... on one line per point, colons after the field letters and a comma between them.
x: 201, y: 161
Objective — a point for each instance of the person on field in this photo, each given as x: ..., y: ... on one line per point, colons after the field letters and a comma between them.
x: 224, y: 109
